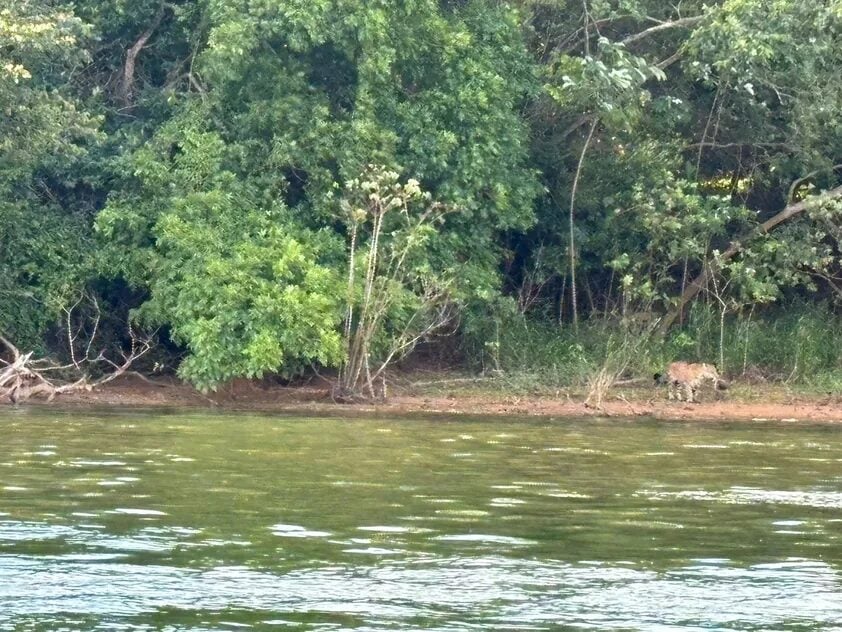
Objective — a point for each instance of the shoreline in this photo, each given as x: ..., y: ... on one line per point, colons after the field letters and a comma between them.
x: 764, y: 403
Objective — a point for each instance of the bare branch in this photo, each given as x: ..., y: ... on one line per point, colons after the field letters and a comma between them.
x: 191, y: 77
x: 669, y: 61
x: 96, y: 328
x: 10, y: 346
x: 24, y: 378
x: 715, y: 145
x: 71, y: 337
x: 716, y: 100
x: 587, y: 19
x: 797, y: 183
x: 580, y: 122
x: 407, y: 341
x: 688, y: 22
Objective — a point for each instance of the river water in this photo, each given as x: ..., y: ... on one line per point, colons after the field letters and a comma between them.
x: 142, y: 521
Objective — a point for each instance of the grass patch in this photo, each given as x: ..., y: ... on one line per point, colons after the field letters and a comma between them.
x: 798, y: 345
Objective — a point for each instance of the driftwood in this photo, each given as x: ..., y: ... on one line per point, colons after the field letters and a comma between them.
x: 17, y: 380
x: 23, y: 378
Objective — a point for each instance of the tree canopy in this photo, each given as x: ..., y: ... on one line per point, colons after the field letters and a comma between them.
x: 189, y: 165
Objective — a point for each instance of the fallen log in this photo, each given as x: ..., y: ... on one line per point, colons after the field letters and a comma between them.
x: 23, y: 378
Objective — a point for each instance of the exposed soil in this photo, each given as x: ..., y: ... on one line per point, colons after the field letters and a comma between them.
x: 754, y: 404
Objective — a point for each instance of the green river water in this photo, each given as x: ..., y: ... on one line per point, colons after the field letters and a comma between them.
x: 192, y: 521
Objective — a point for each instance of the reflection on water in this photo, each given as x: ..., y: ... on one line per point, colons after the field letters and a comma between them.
x: 750, y: 496
x: 141, y: 522
x: 501, y: 591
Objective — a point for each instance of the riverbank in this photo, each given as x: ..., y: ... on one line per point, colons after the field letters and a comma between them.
x: 470, y: 396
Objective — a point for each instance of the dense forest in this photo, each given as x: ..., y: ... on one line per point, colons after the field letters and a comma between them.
x: 569, y: 189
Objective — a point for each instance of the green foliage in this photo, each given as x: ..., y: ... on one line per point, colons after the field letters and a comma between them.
x: 45, y: 135
x: 340, y: 86
x: 41, y: 126
x: 44, y: 260
x: 774, y: 67
x: 235, y: 280
x: 204, y: 156
x: 667, y: 224
x: 797, y: 342
x: 357, y: 83
x: 242, y: 291
x: 610, y: 84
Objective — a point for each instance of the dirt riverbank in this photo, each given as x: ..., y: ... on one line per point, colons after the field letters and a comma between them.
x: 765, y: 402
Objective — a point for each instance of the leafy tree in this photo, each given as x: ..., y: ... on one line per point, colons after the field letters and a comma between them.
x: 432, y: 90
x: 296, y: 99
x: 666, y: 138
x: 193, y: 162
x: 45, y: 139
x: 235, y: 280
x: 245, y: 293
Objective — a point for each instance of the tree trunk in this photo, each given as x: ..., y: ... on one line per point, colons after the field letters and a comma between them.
x: 126, y: 88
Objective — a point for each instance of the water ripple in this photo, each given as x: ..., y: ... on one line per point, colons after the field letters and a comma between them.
x: 499, y: 592
x: 754, y: 496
